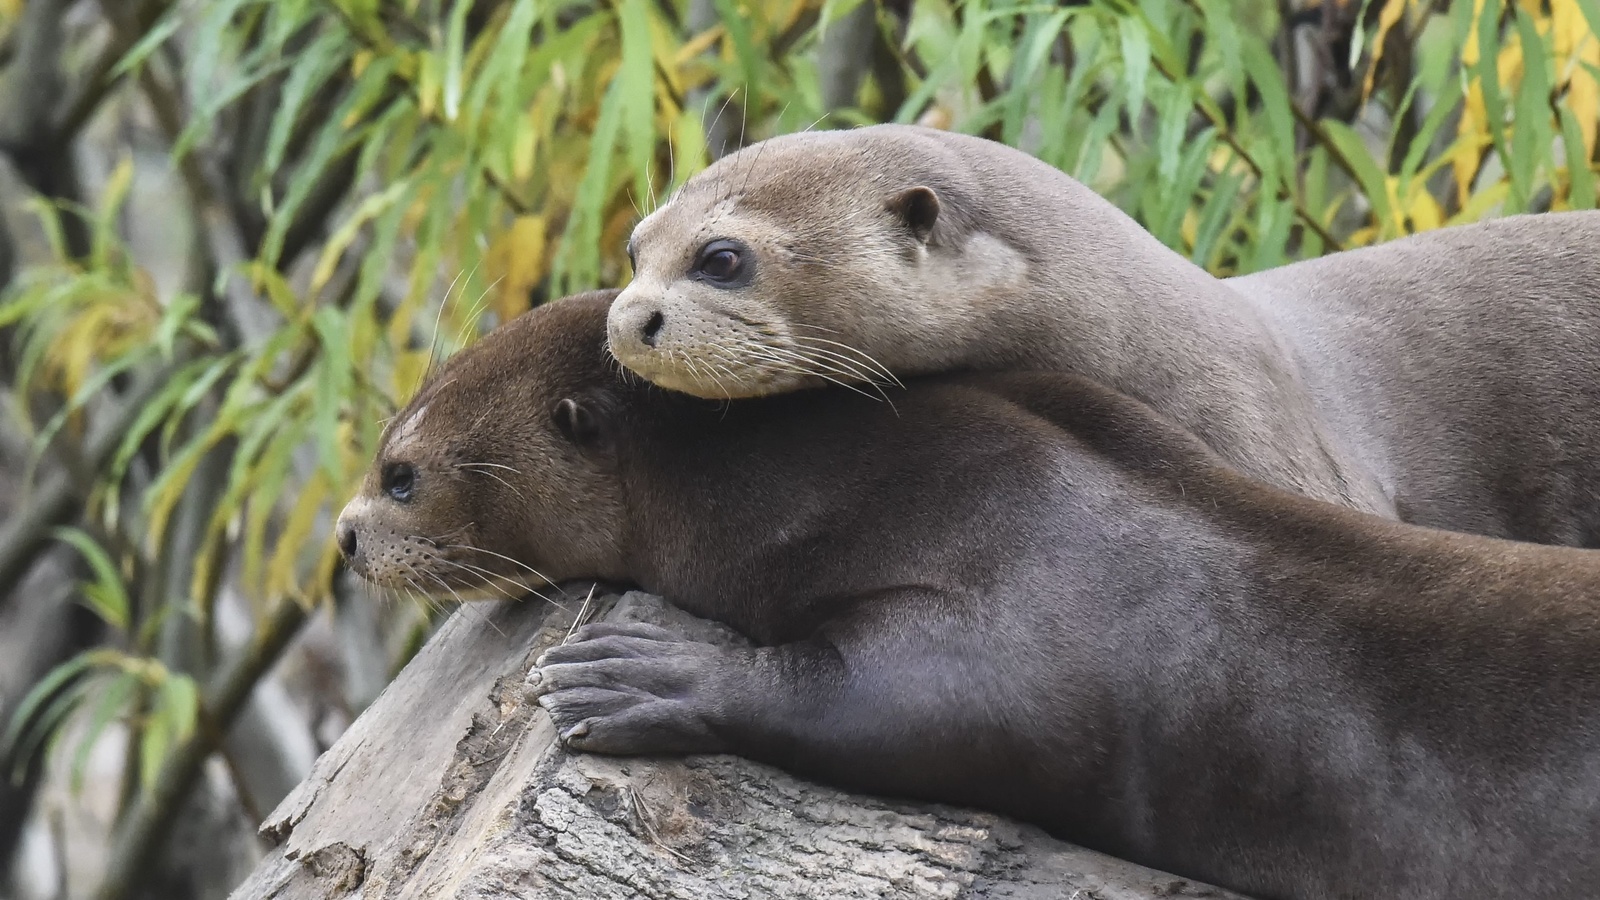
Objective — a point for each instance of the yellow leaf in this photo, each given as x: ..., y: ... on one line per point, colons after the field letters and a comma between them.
x: 428, y: 84
x: 1361, y: 237
x: 409, y: 367
x: 697, y: 45
x: 524, y: 144
x: 1388, y: 17
x: 1190, y: 229
x: 282, y: 571
x: 1480, y: 204
x: 1423, y: 211
x: 522, y: 262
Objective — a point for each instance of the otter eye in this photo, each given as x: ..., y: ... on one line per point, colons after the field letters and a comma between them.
x: 723, y: 263
x: 398, y: 480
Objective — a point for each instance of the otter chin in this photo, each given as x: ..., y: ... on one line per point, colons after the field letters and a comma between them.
x: 445, y: 508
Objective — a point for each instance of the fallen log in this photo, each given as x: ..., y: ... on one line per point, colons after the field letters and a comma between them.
x: 453, y: 785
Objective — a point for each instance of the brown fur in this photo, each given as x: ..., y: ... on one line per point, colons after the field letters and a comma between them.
x: 1447, y: 379
x: 1028, y: 593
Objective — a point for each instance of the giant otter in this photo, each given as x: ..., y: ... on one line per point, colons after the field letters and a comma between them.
x: 1027, y: 593
x: 1450, y: 379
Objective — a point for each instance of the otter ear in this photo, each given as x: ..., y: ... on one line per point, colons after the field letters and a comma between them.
x: 576, y: 420
x: 918, y: 208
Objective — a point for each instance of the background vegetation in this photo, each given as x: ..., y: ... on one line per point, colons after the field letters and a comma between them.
x: 233, y: 232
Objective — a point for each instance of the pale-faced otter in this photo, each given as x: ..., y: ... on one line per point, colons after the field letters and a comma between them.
x: 1031, y: 594
x: 1448, y: 379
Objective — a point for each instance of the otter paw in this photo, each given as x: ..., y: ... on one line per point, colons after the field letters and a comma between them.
x: 629, y: 688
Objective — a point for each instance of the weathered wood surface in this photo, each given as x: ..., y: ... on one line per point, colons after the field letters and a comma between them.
x: 452, y: 785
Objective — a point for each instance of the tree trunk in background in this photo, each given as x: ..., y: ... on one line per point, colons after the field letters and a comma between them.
x: 452, y: 785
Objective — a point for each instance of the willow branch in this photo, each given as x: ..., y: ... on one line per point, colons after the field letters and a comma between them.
x: 138, y: 842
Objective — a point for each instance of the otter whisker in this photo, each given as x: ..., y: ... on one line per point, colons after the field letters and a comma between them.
x: 838, y: 364
x: 515, y: 562
x: 813, y: 327
x: 423, y: 597
x: 821, y: 369
x: 712, y: 367
x: 475, y: 312
x: 463, y: 604
x: 508, y: 484
x: 433, y: 339
x: 693, y: 366
x: 823, y: 374
x: 487, y: 580
x: 843, y: 365
x: 712, y: 129
x: 489, y: 465
x: 439, y: 539
x: 853, y: 353
x: 516, y: 582
x: 446, y: 585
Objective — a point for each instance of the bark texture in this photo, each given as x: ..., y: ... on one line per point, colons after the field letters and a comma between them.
x: 452, y: 785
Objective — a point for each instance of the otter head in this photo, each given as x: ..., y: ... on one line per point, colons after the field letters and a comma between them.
x: 500, y: 473
x: 800, y: 260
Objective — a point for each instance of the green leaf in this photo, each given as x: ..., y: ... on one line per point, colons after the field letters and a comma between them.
x: 107, y: 596
x: 455, y: 45
x: 638, y: 79
x: 1136, y: 64
x: 1214, y: 217
x: 114, y: 697
x: 1276, y: 151
x: 1487, y: 70
x: 1373, y: 183
x: 1581, y: 189
x: 313, y: 68
x: 332, y: 388
x: 181, y: 700
x: 158, y: 34
x: 24, y: 730
x: 1531, y: 135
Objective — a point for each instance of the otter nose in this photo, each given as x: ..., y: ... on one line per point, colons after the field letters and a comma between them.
x: 345, y: 534
x: 652, y: 328
x: 635, y: 325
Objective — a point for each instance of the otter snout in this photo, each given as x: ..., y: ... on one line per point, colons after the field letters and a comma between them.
x: 634, y: 325
x: 346, y: 533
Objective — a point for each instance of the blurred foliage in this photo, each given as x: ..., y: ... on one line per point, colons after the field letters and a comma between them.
x: 484, y: 156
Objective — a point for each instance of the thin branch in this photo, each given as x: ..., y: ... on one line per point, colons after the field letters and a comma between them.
x: 139, y: 841
x: 60, y: 499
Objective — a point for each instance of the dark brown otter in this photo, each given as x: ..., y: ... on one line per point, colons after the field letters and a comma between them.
x: 1027, y: 593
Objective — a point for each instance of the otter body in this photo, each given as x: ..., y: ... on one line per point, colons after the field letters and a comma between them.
x: 1027, y: 593
x: 1448, y: 379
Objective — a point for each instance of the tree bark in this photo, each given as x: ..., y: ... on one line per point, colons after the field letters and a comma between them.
x: 452, y: 784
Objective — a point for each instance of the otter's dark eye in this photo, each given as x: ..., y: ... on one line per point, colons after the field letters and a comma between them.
x: 398, y: 480
x: 723, y: 263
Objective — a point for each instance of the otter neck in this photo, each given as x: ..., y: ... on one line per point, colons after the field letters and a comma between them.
x: 1144, y: 320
